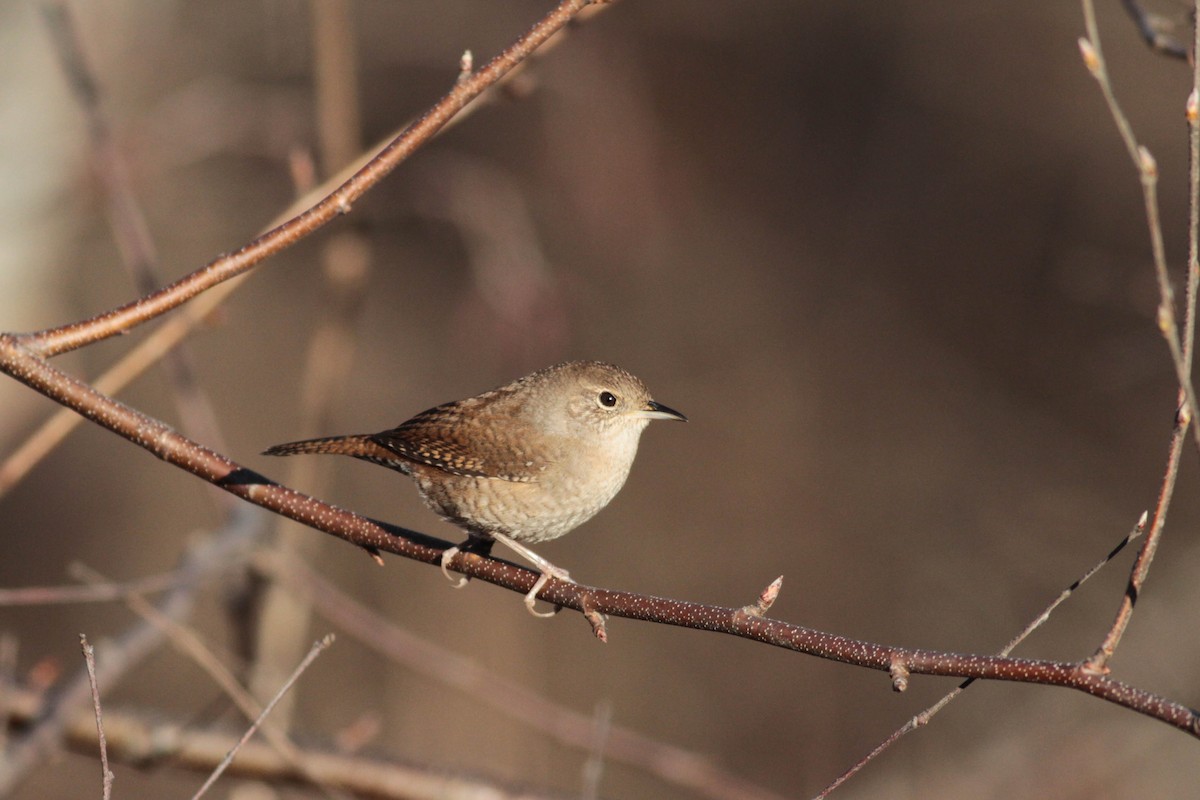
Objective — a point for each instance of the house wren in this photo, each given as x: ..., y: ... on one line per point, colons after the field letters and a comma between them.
x: 526, y: 462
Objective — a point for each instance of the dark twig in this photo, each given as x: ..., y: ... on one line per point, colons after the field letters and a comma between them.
x: 925, y: 716
x: 1153, y: 29
x: 89, y: 658
x: 317, y: 649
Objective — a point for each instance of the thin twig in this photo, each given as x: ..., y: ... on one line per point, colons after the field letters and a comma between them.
x: 128, y: 650
x: 116, y: 378
x: 1181, y: 353
x: 1144, y: 163
x: 178, y: 327
x: 925, y: 716
x: 317, y: 649
x: 138, y: 738
x: 96, y: 593
x: 89, y: 658
x: 190, y: 644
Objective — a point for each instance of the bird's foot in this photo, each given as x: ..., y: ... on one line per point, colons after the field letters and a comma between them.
x: 447, y: 556
x: 548, y: 571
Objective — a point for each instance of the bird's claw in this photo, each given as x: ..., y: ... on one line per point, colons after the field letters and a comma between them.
x: 539, y: 584
x: 447, y: 556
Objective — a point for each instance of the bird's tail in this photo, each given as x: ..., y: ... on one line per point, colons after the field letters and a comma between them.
x: 343, y: 445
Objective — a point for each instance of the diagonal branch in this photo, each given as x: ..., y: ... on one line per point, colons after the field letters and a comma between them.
x: 55, y: 341
x: 163, y: 442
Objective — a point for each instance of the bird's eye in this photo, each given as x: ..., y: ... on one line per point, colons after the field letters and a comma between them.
x: 608, y: 399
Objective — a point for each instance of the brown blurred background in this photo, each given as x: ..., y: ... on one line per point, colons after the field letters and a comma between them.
x: 890, y: 258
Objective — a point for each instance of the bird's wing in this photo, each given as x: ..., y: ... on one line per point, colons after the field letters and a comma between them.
x: 484, y: 447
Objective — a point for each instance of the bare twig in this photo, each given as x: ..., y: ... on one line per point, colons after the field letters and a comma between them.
x: 96, y: 593
x: 925, y: 716
x: 317, y: 649
x: 1144, y: 163
x: 376, y: 537
x: 189, y: 643
x: 128, y: 650
x: 89, y: 658
x: 133, y: 364
x: 174, y: 330
x: 1181, y: 352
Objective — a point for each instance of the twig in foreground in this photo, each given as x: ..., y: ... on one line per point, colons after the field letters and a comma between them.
x: 89, y: 658
x: 928, y: 714
x: 317, y: 649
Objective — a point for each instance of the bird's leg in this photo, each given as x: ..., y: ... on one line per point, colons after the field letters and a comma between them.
x: 547, y: 569
x: 473, y: 544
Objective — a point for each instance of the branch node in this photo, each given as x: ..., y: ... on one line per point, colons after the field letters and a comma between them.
x: 1183, y: 417
x: 765, y: 600
x: 595, y: 619
x: 1090, y: 59
x: 1147, y: 164
x: 466, y: 66
x: 899, y: 673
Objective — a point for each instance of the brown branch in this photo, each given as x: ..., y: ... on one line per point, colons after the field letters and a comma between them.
x: 54, y: 341
x: 170, y: 446
x: 95, y: 593
x: 128, y: 222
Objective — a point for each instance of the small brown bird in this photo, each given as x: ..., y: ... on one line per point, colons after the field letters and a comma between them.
x: 526, y: 462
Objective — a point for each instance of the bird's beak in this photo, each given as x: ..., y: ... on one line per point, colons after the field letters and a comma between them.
x: 655, y: 410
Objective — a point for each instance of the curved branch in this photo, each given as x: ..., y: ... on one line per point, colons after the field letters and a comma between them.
x: 153, y: 435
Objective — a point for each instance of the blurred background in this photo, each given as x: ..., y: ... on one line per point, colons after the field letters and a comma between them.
x: 891, y: 260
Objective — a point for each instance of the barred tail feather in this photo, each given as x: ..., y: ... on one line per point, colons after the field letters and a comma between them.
x: 344, y: 445
x: 362, y: 446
